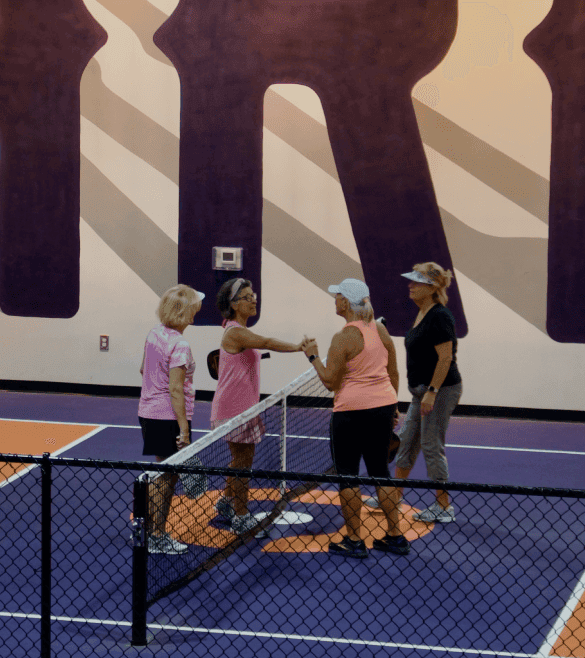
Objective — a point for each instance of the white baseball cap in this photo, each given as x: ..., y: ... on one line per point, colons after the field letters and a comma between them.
x: 352, y: 289
x: 419, y: 277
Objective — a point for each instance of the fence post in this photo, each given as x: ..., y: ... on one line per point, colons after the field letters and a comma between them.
x: 46, y: 504
x: 140, y: 560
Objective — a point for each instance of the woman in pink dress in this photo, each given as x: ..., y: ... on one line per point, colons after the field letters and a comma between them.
x: 238, y: 389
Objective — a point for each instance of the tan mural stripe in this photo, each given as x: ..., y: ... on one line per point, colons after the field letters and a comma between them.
x: 135, y: 238
x: 304, y: 250
x: 299, y: 130
x: 143, y: 19
x: 128, y: 126
x: 513, y: 270
x: 492, y: 263
x: 503, y: 174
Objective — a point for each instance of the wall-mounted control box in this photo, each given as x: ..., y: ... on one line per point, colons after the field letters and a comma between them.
x: 227, y: 258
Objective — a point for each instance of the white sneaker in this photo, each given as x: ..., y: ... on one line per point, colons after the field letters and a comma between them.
x: 166, y: 544
x: 436, y: 513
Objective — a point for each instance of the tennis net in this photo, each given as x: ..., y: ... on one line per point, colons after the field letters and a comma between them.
x: 294, y: 425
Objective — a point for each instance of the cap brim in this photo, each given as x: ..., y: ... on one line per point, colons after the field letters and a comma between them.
x: 418, y: 277
x: 333, y: 289
x: 201, y: 295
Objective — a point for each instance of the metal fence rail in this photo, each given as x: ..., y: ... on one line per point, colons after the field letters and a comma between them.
x: 77, y: 578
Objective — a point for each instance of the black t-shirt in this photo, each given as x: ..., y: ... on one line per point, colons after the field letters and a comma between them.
x: 437, y: 326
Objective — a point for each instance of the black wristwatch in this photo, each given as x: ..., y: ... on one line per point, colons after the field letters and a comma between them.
x: 313, y: 357
x: 432, y: 389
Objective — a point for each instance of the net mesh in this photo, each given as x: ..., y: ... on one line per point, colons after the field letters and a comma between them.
x: 293, y: 425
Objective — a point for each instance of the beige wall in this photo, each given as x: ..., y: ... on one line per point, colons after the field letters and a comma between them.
x: 484, y: 115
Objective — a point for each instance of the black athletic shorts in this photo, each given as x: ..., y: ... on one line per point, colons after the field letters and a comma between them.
x: 362, y: 433
x: 160, y: 436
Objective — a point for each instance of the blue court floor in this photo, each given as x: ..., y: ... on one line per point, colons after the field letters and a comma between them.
x: 506, y: 579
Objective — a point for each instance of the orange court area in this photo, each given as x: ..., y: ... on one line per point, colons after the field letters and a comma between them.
x: 189, y: 521
x: 35, y: 438
x: 571, y: 641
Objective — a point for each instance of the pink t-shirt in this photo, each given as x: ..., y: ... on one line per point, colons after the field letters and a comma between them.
x: 366, y: 384
x: 164, y: 349
x: 238, y: 385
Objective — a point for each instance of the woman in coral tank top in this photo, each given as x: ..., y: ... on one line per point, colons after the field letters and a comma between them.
x: 361, y: 369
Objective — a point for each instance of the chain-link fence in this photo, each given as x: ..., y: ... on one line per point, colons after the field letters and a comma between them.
x: 101, y: 559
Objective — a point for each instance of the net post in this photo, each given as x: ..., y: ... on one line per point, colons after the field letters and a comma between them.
x: 140, y: 560
x: 46, y: 504
x: 283, y: 445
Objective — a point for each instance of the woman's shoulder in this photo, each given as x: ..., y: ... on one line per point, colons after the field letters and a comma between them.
x: 441, y: 317
x: 440, y: 311
x: 169, y: 336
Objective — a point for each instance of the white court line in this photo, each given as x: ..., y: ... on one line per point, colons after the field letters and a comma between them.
x: 281, y: 636
x: 548, y: 452
x: 302, y: 436
x: 457, y: 445
x: 28, y: 469
x: 563, y: 618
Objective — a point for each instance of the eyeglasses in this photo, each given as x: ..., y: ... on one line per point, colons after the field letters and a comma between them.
x: 249, y: 298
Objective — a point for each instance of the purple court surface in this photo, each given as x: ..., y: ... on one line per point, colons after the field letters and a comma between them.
x: 271, y: 604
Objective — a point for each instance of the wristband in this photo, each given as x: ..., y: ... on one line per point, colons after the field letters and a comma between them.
x: 313, y: 357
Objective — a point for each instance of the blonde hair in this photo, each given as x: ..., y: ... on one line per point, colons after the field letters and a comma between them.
x: 362, y: 311
x: 176, y: 306
x: 442, y: 279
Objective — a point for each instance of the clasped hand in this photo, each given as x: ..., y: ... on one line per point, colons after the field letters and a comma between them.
x: 310, y: 347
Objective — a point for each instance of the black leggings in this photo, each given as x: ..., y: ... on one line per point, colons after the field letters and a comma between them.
x: 362, y: 433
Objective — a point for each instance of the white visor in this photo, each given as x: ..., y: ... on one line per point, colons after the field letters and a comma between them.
x: 419, y: 278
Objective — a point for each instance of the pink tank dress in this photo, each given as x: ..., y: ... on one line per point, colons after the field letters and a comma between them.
x: 238, y: 389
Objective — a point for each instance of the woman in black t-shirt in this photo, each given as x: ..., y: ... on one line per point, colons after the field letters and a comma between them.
x: 433, y: 380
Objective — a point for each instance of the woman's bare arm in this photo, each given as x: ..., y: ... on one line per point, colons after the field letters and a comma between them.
x: 239, y: 339
x: 389, y: 345
x: 176, y: 389
x: 344, y: 345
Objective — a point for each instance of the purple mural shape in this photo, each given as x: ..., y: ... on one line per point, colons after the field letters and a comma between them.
x: 44, y: 49
x: 557, y: 45
x: 362, y: 58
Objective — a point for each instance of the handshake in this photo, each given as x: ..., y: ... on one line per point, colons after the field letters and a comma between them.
x: 309, y: 347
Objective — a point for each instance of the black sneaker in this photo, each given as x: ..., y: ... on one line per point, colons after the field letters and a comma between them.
x: 349, y: 548
x: 390, y: 544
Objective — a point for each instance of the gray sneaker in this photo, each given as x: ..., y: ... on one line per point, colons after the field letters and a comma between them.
x: 436, y: 513
x: 374, y: 503
x: 241, y: 525
x: 166, y: 544
x: 224, y: 509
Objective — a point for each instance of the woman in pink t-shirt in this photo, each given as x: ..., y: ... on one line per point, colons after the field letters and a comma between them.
x: 167, y: 399
x: 238, y: 389
x: 361, y: 369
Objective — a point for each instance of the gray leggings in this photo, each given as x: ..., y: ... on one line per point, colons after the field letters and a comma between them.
x: 428, y: 432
